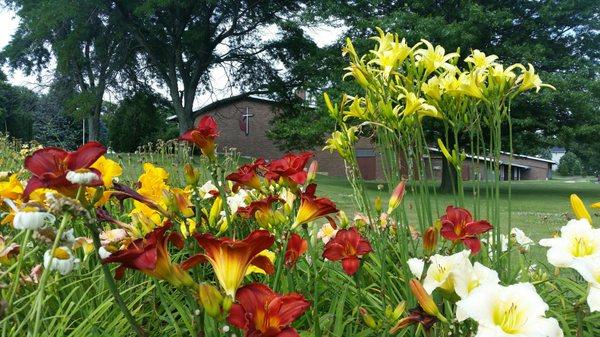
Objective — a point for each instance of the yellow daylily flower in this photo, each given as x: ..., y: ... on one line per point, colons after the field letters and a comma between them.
x: 110, y: 169
x: 153, y: 182
x: 432, y: 88
x: 414, y: 104
x: 391, y: 52
x: 480, y: 60
x: 470, y: 84
x: 11, y: 189
x: 433, y: 58
x: 529, y: 80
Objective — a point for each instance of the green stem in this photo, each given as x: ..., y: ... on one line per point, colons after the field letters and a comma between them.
x: 13, y: 289
x: 110, y: 281
x: 39, y: 299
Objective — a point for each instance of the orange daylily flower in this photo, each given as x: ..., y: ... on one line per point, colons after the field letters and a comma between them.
x: 312, y: 208
x: 230, y: 258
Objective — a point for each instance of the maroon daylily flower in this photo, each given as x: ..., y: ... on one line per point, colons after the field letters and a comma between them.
x: 296, y: 246
x: 261, y: 312
x: 289, y: 168
x: 348, y: 246
x: 263, y: 205
x: 246, y: 175
x: 203, y: 135
x: 458, y: 226
x: 415, y: 316
x: 49, y: 167
x: 150, y: 256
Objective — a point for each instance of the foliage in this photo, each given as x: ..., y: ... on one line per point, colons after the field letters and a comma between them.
x: 18, y: 106
x: 569, y: 165
x: 139, y: 119
x: 83, y: 39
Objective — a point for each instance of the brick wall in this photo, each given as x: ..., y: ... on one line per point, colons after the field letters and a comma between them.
x: 256, y: 143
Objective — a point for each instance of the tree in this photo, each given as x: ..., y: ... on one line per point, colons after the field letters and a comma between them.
x: 139, y: 119
x: 182, y: 41
x: 83, y: 38
x: 569, y: 165
x: 18, y: 105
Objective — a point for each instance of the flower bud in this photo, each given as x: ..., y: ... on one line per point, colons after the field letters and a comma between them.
x: 579, y: 208
x: 394, y: 314
x: 368, y: 319
x: 312, y: 172
x: 191, y: 175
x: 425, y: 300
x: 378, y: 204
x: 210, y: 298
x: 430, y: 238
x: 215, y: 211
x: 396, y: 197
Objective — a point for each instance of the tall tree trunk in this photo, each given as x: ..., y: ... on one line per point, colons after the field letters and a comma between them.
x: 93, y: 124
x: 449, y: 183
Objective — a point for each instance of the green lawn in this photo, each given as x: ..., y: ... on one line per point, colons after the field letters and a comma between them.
x: 538, y: 207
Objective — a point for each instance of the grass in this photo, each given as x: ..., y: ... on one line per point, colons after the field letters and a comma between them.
x: 538, y: 207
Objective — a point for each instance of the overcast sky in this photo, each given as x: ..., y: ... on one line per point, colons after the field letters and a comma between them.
x: 322, y: 35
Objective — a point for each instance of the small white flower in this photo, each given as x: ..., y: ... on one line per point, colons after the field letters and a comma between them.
x: 515, y: 310
x: 104, y: 253
x: 82, y: 177
x: 577, y: 245
x: 32, y: 218
x: 520, y: 237
x: 326, y: 232
x: 491, y: 247
x: 416, y: 266
x: 225, y: 328
x: 68, y: 236
x: 62, y: 260
x: 112, y: 236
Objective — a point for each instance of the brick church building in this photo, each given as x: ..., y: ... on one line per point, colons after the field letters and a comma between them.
x: 244, y: 122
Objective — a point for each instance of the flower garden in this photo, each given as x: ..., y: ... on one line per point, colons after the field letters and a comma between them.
x: 255, y: 250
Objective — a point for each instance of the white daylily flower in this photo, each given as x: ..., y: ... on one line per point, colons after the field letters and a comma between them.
x: 416, y: 266
x: 468, y: 277
x: 440, y: 272
x: 237, y: 200
x: 206, y: 189
x: 590, y: 271
x: 516, y: 310
x: 577, y: 245
x: 84, y: 177
x: 326, y: 232
x: 112, y: 236
x: 520, y: 237
x: 62, y: 260
x: 32, y: 218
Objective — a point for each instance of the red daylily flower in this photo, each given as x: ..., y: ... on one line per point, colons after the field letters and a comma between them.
x: 261, y: 312
x: 150, y: 256
x: 203, y: 135
x: 289, y: 168
x: 296, y: 246
x: 231, y: 258
x: 458, y: 225
x: 246, y: 175
x: 348, y: 246
x: 49, y: 167
x: 312, y: 208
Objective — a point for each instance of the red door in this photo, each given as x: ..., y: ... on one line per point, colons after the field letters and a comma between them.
x: 368, y: 167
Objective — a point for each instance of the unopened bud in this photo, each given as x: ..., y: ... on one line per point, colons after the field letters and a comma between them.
x: 430, y: 238
x: 368, y: 319
x: 396, y: 197
x: 312, y: 172
x: 378, y: 204
x: 210, y: 299
x: 425, y: 300
x: 191, y: 175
